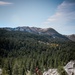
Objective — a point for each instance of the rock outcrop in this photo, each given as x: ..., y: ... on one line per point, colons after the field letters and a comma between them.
x: 70, y: 68
x: 0, y: 71
x: 51, y: 72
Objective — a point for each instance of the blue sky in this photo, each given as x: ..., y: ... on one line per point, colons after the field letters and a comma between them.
x: 57, y: 14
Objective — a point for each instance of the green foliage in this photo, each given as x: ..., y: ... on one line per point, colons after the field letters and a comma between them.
x: 22, y: 51
x: 61, y: 71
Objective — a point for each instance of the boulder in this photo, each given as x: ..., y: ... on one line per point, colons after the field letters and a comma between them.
x: 51, y: 72
x: 70, y: 68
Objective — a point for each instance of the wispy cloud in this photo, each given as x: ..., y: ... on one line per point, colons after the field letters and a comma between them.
x: 5, y: 3
x: 64, y: 18
x: 65, y: 13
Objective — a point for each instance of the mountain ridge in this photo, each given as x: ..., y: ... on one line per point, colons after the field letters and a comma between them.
x: 35, y: 30
x: 71, y: 37
x: 41, y: 31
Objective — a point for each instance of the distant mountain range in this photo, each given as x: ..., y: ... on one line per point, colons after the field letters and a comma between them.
x: 71, y: 37
x: 46, y: 31
x: 35, y: 30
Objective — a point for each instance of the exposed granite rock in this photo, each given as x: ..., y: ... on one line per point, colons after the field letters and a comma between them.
x: 70, y: 68
x: 0, y: 71
x: 51, y: 72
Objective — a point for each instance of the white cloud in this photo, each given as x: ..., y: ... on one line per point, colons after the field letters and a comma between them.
x: 64, y: 18
x: 65, y: 13
x: 5, y: 3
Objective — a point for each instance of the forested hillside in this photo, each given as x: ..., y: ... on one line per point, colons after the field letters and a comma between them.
x: 22, y: 51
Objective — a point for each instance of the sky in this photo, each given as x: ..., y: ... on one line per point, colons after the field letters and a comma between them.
x: 57, y: 14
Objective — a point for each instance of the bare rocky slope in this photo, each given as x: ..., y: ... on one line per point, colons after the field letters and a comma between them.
x: 39, y: 31
x: 71, y: 37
